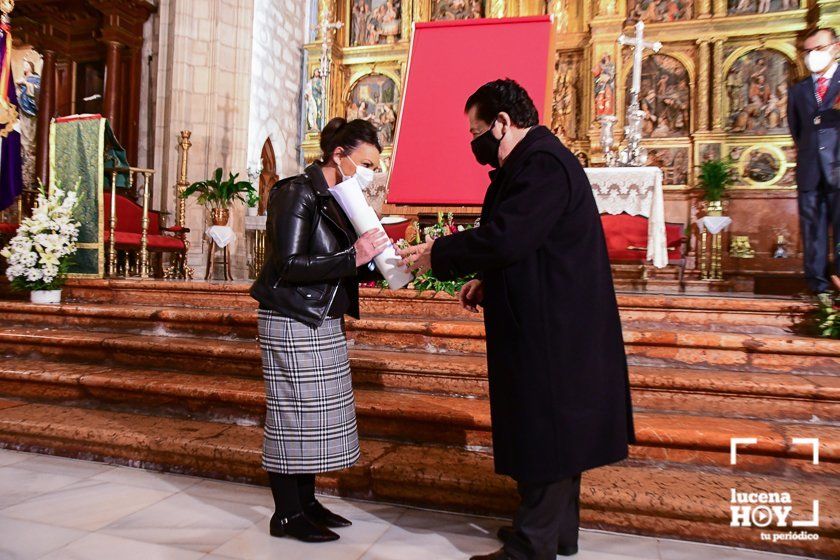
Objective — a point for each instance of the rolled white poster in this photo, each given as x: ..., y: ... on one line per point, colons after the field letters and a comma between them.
x: 351, y: 199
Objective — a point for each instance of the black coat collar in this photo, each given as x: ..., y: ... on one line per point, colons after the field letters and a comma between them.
x: 317, y: 179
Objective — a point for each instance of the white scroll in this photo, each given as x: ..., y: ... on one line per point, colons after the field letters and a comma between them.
x: 351, y: 199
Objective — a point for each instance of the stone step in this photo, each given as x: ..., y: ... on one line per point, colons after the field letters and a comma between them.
x: 684, y: 503
x: 667, y: 347
x: 411, y: 417
x: 408, y: 302
x: 679, y: 382
x: 230, y: 317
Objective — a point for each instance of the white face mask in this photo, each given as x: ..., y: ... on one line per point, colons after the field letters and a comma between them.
x: 363, y: 175
x: 819, y: 61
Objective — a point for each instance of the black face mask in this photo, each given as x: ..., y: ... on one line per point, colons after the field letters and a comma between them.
x: 485, y: 148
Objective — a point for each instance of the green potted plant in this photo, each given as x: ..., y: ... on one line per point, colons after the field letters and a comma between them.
x: 253, y: 201
x: 218, y: 194
x: 714, y: 178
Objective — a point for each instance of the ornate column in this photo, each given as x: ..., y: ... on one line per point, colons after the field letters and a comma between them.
x: 45, y: 114
x: 703, y: 86
x: 720, y: 8
x: 704, y: 8
x: 496, y: 8
x: 112, y: 84
x: 717, y: 91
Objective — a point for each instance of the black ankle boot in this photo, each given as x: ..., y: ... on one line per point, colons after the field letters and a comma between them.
x: 321, y: 515
x: 300, y: 527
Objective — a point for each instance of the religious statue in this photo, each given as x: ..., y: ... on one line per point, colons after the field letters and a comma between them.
x: 761, y: 6
x: 564, y: 104
x: 756, y: 86
x: 29, y: 87
x: 457, y: 9
x: 313, y: 96
x: 604, y: 74
x: 375, y: 22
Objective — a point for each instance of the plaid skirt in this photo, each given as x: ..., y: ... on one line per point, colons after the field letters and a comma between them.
x: 310, y: 421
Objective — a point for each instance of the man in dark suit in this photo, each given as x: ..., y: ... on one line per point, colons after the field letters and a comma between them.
x: 817, y: 157
x: 559, y: 391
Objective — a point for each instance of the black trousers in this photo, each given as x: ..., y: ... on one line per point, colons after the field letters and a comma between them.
x: 819, y: 211
x: 548, y: 516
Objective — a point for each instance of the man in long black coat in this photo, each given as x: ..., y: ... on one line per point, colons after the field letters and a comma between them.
x: 559, y: 389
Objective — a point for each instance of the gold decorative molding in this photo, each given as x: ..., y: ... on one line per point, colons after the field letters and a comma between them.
x: 703, y: 56
x: 717, y: 85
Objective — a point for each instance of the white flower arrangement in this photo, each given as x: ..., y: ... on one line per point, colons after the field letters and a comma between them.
x: 41, y: 252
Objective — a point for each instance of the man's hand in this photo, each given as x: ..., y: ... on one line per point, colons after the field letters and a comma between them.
x: 471, y: 296
x: 418, y: 258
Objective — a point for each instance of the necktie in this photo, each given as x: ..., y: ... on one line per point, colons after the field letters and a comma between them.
x: 822, y: 88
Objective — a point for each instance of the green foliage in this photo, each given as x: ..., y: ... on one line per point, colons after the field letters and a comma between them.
x: 714, y: 177
x: 428, y: 282
x: 253, y: 198
x: 217, y: 193
x: 827, y: 320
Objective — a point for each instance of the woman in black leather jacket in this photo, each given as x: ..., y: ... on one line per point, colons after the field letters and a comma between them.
x: 310, y: 280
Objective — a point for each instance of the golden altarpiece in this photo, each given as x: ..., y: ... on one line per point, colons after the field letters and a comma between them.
x: 717, y: 87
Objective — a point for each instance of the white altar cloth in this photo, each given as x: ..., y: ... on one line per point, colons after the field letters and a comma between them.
x: 636, y: 191
x: 222, y: 235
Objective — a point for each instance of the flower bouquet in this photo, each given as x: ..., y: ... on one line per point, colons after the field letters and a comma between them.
x: 445, y: 226
x: 41, y: 252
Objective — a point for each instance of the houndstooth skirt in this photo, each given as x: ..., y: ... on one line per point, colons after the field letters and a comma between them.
x: 310, y: 421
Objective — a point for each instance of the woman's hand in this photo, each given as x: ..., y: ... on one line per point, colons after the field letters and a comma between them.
x: 471, y: 296
x: 370, y: 245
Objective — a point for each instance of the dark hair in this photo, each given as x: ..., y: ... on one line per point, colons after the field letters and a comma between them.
x: 816, y: 30
x: 339, y: 133
x: 503, y: 96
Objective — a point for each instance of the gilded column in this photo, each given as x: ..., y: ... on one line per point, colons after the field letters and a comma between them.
x: 560, y: 10
x: 703, y: 86
x: 704, y: 8
x: 324, y: 11
x: 496, y: 9
x: 720, y: 8
x: 717, y: 90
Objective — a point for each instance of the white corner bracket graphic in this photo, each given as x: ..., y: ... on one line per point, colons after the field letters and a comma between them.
x: 813, y: 442
x: 815, y: 519
x: 733, y: 447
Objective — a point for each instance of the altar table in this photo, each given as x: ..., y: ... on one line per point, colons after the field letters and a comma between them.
x: 636, y: 191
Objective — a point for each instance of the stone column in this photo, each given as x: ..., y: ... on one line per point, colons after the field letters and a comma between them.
x: 45, y: 114
x: 717, y: 91
x: 703, y: 86
x: 132, y: 119
x: 112, y: 84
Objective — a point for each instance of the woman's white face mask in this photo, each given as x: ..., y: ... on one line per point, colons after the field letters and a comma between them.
x: 363, y: 175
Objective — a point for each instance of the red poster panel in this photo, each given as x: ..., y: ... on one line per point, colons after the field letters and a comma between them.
x: 433, y: 163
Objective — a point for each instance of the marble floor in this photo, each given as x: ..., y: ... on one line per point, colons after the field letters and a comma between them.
x: 53, y: 508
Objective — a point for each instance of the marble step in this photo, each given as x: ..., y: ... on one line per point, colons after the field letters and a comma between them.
x: 641, y: 312
x: 436, y: 372
x: 685, y: 503
x: 706, y: 309
x: 463, y: 373
x: 665, y: 347
x: 411, y: 417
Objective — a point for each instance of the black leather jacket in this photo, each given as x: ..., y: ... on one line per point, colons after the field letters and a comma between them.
x: 309, y: 251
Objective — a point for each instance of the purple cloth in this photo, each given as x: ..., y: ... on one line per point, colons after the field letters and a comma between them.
x: 11, y: 168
